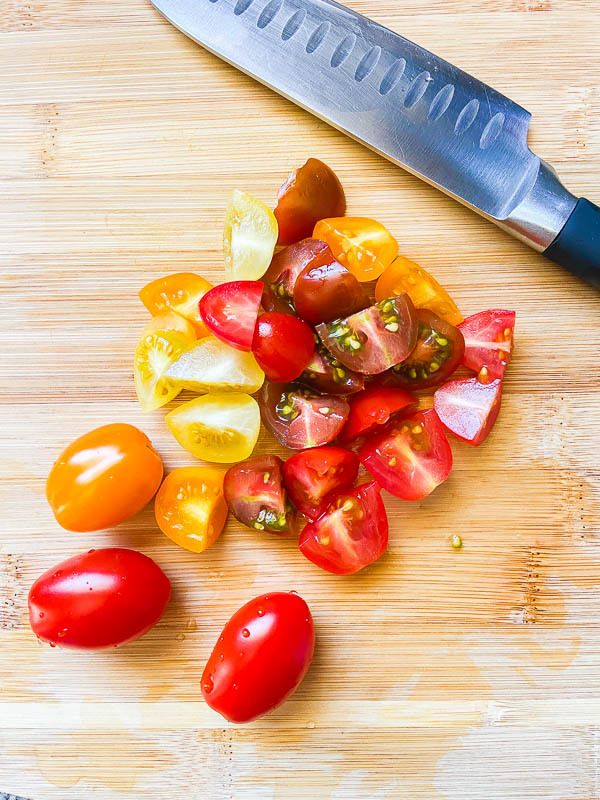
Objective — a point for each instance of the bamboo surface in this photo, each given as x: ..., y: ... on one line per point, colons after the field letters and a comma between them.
x: 471, y: 675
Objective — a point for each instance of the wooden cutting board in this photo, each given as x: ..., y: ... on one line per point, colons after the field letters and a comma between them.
x: 438, y: 674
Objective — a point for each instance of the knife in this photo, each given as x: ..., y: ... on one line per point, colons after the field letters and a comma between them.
x: 408, y: 105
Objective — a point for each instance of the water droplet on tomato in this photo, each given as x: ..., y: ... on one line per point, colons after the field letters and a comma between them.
x: 245, y: 633
x: 221, y: 657
x: 123, y: 577
x: 93, y: 550
x: 241, y: 655
x: 42, y: 615
x: 260, y: 612
x: 293, y: 591
x: 221, y: 638
x: 63, y: 633
x: 235, y: 687
x: 266, y: 597
x: 52, y: 644
x: 57, y: 574
x: 208, y: 685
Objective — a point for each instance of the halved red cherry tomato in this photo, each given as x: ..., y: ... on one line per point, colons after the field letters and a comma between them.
x: 469, y: 408
x: 373, y: 407
x: 437, y: 354
x: 351, y: 533
x: 326, y: 290
x: 256, y: 497
x: 260, y: 658
x: 375, y: 339
x: 488, y: 342
x: 299, y: 418
x: 283, y: 346
x: 310, y: 193
x: 411, y: 457
x: 230, y: 312
x: 102, y: 598
x: 311, y: 476
x: 361, y: 244
x: 327, y: 375
x: 286, y: 265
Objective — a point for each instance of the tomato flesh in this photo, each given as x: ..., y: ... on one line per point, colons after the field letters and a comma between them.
x: 154, y: 354
x: 310, y: 193
x: 256, y: 496
x: 326, y: 290
x: 373, y: 407
x: 350, y: 534
x: 180, y: 292
x: 260, y: 658
x: 102, y: 598
x: 286, y: 265
x: 299, y: 418
x: 283, y: 346
x: 103, y: 478
x: 171, y: 321
x: 249, y: 236
x: 438, y: 352
x: 327, y: 375
x: 362, y: 245
x: 210, y: 365
x: 230, y: 312
x: 488, y: 342
x: 411, y: 457
x: 375, y: 339
x: 311, y: 476
x: 469, y: 408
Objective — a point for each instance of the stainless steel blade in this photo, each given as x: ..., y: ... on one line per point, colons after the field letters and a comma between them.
x: 400, y: 100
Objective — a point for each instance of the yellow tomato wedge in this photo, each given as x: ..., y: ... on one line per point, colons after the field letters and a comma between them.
x: 249, y: 237
x: 171, y: 321
x: 153, y: 354
x: 180, y: 292
x: 222, y: 428
x: 364, y: 246
x: 190, y: 507
x: 210, y: 365
x: 403, y: 275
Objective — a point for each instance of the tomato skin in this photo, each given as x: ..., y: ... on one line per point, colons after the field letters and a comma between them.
x: 488, y: 342
x: 282, y: 346
x: 285, y: 266
x: 362, y: 245
x: 372, y: 408
x: 411, y: 457
x: 326, y: 290
x: 230, y: 312
x: 256, y: 496
x: 327, y: 375
x: 102, y: 598
x: 469, y: 408
x: 310, y: 193
x: 262, y: 655
x: 350, y: 534
x: 312, y: 476
x: 298, y: 418
x: 103, y: 478
x: 437, y: 354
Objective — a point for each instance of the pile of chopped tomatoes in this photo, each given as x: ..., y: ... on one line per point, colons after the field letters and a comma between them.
x: 331, y: 338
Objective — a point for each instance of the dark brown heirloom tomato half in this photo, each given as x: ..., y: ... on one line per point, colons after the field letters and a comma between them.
x: 256, y: 497
x: 375, y: 339
x: 310, y: 193
x: 285, y: 266
x: 299, y: 418
x: 437, y: 354
x: 326, y: 290
x: 327, y: 375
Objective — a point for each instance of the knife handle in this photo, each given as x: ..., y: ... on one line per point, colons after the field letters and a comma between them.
x: 577, y: 246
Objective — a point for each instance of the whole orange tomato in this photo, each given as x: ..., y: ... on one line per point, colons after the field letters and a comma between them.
x: 103, y: 478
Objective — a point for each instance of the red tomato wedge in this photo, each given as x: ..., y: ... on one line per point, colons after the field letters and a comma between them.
x: 255, y: 495
x: 230, y: 312
x: 311, y: 476
x: 299, y: 418
x: 283, y: 271
x: 283, y: 346
x: 469, y: 408
x: 261, y: 656
x: 488, y: 342
x: 411, y: 457
x: 373, y: 407
x: 326, y: 290
x: 351, y: 533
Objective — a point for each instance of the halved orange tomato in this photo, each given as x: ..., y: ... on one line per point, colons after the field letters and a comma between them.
x: 173, y: 322
x: 180, y: 292
x: 364, y: 246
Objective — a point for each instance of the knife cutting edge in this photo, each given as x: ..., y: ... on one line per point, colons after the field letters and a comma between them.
x: 407, y: 104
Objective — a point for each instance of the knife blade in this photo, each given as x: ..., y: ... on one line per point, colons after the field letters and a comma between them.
x: 407, y: 104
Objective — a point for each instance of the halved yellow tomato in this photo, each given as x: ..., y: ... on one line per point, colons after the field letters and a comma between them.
x: 405, y: 276
x: 364, y: 246
x: 153, y: 354
x: 210, y: 365
x: 249, y: 237
x: 171, y: 321
x: 190, y: 507
x: 217, y: 427
x: 180, y: 292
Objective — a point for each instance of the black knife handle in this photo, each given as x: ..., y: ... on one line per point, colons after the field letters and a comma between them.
x: 577, y: 246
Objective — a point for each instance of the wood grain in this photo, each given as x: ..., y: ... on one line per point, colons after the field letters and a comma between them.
x: 456, y: 676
